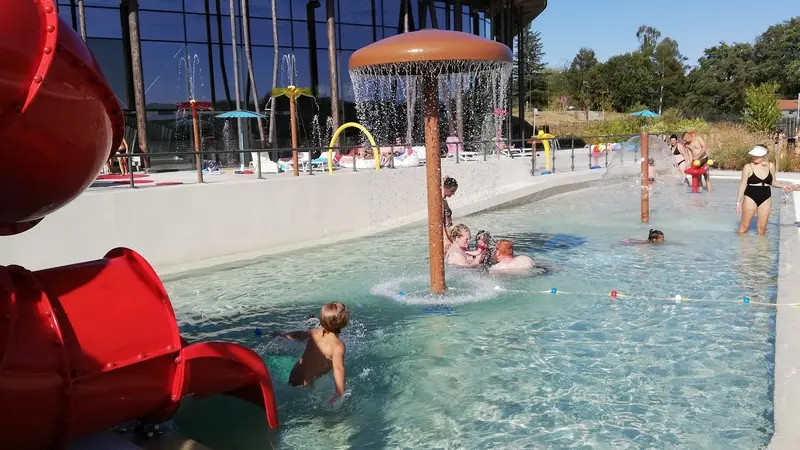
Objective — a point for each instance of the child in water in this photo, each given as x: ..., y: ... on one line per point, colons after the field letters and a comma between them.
x: 652, y: 173
x: 483, y: 242
x: 324, y: 350
x: 654, y: 237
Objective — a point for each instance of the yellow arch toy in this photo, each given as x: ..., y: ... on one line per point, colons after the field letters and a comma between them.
x: 375, y: 151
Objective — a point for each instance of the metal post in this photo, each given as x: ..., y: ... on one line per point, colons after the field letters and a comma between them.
x: 433, y: 169
x: 607, y: 150
x: 82, y: 17
x: 590, y: 157
x: 553, y: 158
x: 235, y: 49
x: 572, y: 155
x: 258, y: 165
x: 293, y: 124
x: 533, y: 155
x: 196, y: 130
x: 645, y: 178
x: 521, y: 78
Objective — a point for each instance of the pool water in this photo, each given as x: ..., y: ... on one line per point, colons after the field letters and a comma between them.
x: 507, y: 364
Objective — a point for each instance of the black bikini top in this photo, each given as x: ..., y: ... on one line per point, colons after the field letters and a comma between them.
x: 753, y: 179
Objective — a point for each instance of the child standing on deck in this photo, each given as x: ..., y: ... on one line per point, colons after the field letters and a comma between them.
x: 324, y: 351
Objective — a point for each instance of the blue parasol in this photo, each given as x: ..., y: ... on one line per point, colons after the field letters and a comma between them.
x: 241, y: 114
x: 646, y: 114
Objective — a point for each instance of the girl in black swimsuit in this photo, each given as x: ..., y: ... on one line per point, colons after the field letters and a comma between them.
x: 755, y: 196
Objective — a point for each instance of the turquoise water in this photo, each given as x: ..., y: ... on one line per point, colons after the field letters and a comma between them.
x: 507, y: 364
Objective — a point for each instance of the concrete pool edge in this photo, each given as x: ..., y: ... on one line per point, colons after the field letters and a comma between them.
x: 538, y: 188
x: 786, y: 397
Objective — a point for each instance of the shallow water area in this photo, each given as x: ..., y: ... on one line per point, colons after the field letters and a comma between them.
x: 503, y: 362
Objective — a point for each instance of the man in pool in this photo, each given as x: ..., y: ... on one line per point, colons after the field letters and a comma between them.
x: 507, y: 262
x: 696, y: 148
x: 324, y: 350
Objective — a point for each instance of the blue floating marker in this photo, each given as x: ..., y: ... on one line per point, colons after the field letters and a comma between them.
x: 595, y: 167
x: 257, y: 331
x: 401, y: 294
x: 746, y: 300
x: 545, y: 172
x: 554, y: 291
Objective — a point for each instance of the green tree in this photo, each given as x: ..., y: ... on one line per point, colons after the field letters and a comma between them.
x: 630, y: 80
x: 557, y: 86
x: 580, y: 77
x: 534, y: 77
x: 670, y: 70
x: 648, y: 38
x: 777, y: 53
x: 717, y: 84
x: 761, y: 111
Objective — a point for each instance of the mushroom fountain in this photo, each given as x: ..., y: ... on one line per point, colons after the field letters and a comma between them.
x: 432, y: 59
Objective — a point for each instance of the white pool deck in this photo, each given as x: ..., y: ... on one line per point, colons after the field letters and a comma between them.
x: 517, y: 186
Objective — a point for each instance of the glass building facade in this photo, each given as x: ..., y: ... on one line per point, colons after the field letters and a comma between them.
x: 186, y: 44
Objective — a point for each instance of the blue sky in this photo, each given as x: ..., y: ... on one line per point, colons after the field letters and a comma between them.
x: 609, y: 26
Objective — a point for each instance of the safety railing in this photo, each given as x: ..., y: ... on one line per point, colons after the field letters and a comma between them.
x: 596, y: 156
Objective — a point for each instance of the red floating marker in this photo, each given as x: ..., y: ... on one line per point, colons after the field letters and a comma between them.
x: 614, y: 294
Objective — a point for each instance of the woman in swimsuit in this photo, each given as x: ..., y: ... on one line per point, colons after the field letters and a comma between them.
x: 679, y: 153
x: 458, y: 254
x: 754, y: 197
x: 449, y: 188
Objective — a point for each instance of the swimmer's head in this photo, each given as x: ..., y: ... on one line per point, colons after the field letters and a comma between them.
x: 651, y: 161
x: 673, y: 139
x: 460, y: 234
x: 333, y: 317
x: 688, y: 136
x: 504, y: 248
x: 655, y: 236
x: 449, y: 186
x: 483, y: 238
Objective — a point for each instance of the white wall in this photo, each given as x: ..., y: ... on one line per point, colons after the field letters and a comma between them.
x: 191, y: 226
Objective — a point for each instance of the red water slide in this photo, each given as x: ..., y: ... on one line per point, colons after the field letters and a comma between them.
x: 88, y: 346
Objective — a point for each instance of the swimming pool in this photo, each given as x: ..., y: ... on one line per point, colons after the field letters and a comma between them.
x: 507, y: 364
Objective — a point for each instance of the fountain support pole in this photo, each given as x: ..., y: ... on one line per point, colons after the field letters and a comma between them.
x: 293, y: 125
x: 196, y: 129
x: 645, y: 178
x: 433, y: 168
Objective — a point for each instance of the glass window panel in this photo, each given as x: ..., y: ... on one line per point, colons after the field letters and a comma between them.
x: 161, y: 26
x: 226, y: 65
x: 300, y: 33
x: 196, y: 27
x: 324, y: 77
x: 261, y: 32
x: 391, y: 31
x: 164, y: 74
x: 109, y: 3
x: 355, y: 11
x: 161, y: 5
x: 262, y: 69
x: 391, y: 12
x: 440, y: 17
x: 198, y: 71
x: 346, y: 86
x: 284, y: 9
x: 107, y: 52
x: 225, y: 7
x: 66, y: 13
x: 322, y: 35
x: 102, y: 22
x: 223, y: 22
x: 260, y: 8
x: 466, y: 23
x: 355, y: 36
x: 199, y: 6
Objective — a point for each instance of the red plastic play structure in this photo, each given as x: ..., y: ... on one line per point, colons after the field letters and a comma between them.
x: 88, y: 346
x: 696, y: 173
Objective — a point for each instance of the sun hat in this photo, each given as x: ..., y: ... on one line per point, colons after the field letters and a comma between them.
x: 758, y: 151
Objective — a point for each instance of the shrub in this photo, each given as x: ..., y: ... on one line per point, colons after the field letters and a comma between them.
x: 761, y: 111
x: 670, y: 122
x: 728, y: 145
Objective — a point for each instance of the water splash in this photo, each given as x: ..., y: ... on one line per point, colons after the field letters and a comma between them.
x: 190, y: 72
x: 388, y: 99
